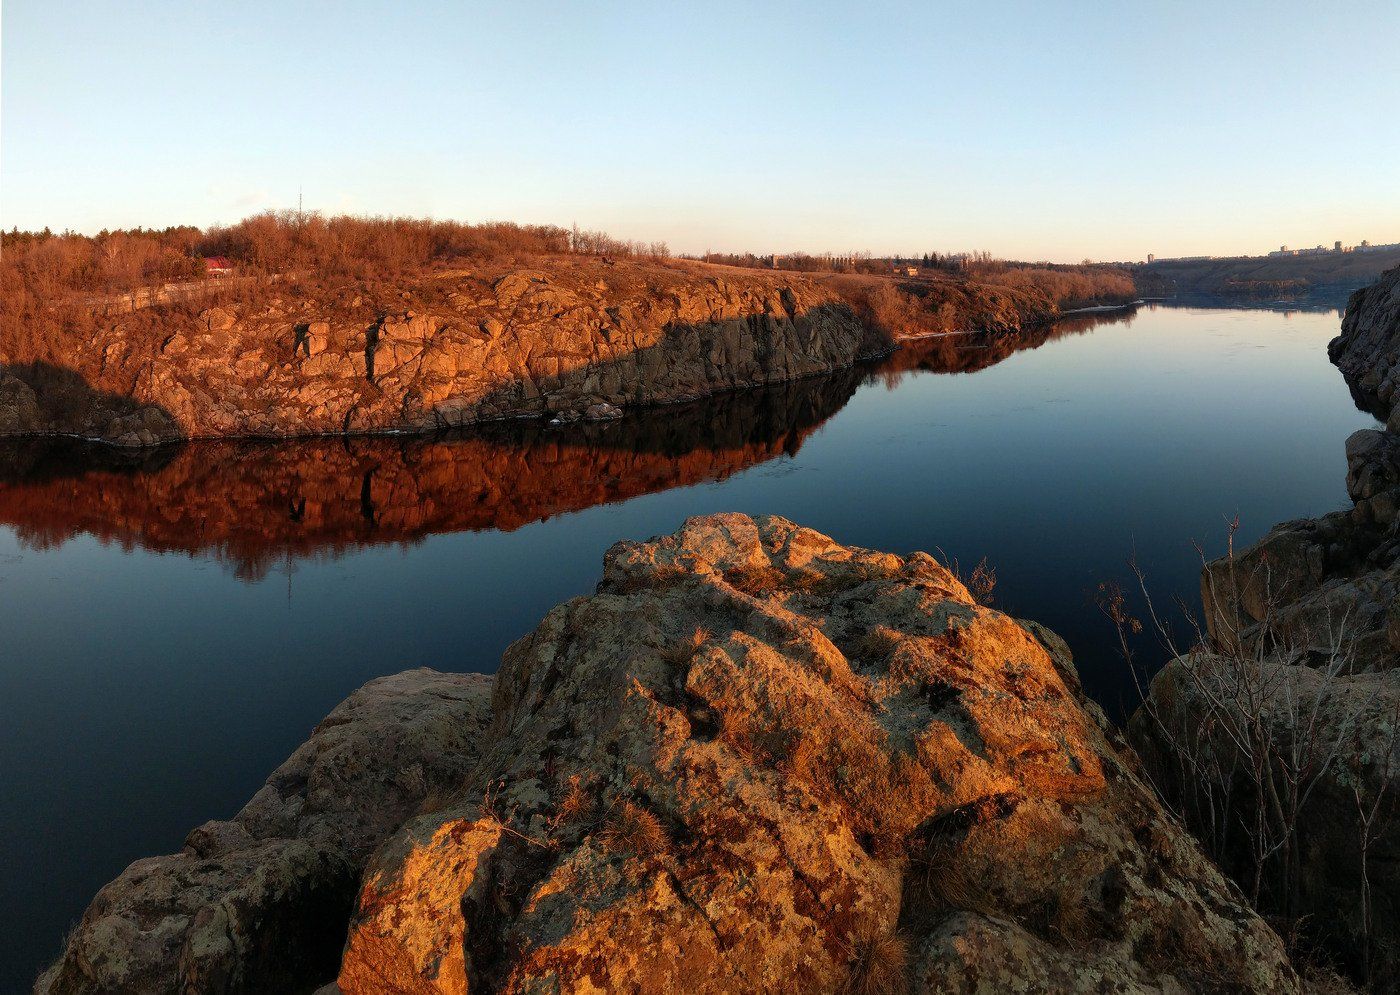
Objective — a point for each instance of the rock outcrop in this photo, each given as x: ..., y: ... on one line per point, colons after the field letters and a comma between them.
x: 441, y: 350
x: 754, y: 760
x: 252, y: 504
x: 1368, y: 349
x: 758, y: 760
x: 259, y: 903
x: 1304, y: 633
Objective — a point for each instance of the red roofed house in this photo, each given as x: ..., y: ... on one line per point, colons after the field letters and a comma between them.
x: 217, y: 266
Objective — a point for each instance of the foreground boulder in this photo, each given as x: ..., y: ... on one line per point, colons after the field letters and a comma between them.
x: 755, y: 760
x: 259, y: 903
x: 758, y: 760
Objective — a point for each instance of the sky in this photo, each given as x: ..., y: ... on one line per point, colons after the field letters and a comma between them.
x: 1047, y: 130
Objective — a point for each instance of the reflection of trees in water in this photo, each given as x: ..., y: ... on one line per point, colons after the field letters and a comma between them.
x: 257, y: 505
x: 973, y: 351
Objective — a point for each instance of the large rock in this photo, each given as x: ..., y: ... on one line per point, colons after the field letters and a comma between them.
x: 1368, y: 349
x: 259, y: 903
x: 758, y: 760
x: 1209, y: 715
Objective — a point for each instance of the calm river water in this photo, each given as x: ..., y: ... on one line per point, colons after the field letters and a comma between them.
x: 172, y: 624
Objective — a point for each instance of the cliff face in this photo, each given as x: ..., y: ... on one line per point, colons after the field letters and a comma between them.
x: 1305, y: 628
x: 253, y: 504
x: 292, y: 357
x: 1368, y: 349
x: 754, y: 760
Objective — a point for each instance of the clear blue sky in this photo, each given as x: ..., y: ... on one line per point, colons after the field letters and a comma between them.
x: 1033, y: 130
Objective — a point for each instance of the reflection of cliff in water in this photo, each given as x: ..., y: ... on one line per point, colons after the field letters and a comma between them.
x: 252, y: 505
x: 256, y: 505
x: 973, y: 351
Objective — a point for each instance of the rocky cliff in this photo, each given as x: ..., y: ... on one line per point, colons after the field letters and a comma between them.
x: 1303, y: 667
x: 1368, y: 350
x: 755, y: 760
x: 293, y: 356
x: 254, y: 504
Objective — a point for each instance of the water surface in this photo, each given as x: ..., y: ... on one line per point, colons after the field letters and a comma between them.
x: 173, y: 623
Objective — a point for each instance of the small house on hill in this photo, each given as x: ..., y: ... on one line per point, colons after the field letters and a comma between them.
x: 217, y: 266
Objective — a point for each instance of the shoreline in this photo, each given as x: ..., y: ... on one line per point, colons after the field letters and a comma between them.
x: 632, y: 411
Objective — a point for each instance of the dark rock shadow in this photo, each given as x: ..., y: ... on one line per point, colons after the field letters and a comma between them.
x: 45, y: 399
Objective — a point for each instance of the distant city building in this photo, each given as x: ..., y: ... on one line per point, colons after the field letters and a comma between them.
x: 1363, y: 246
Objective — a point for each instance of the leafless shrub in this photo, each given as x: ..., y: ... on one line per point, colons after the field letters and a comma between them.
x: 506, y: 818
x: 980, y: 583
x: 1374, y: 811
x: 1247, y: 732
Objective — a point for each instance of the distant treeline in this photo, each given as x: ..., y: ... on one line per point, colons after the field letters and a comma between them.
x: 1008, y: 299
x: 967, y: 264
x: 1267, y: 276
x: 54, y: 288
x: 851, y: 262
x: 44, y: 264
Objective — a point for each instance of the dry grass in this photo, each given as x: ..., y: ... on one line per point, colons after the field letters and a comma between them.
x: 439, y: 798
x: 1070, y: 918
x: 878, y: 644
x: 412, y: 782
x: 939, y: 875
x: 634, y: 831
x: 1320, y: 979
x: 756, y: 581
x: 681, y: 653
x: 574, y: 808
x: 879, y: 965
